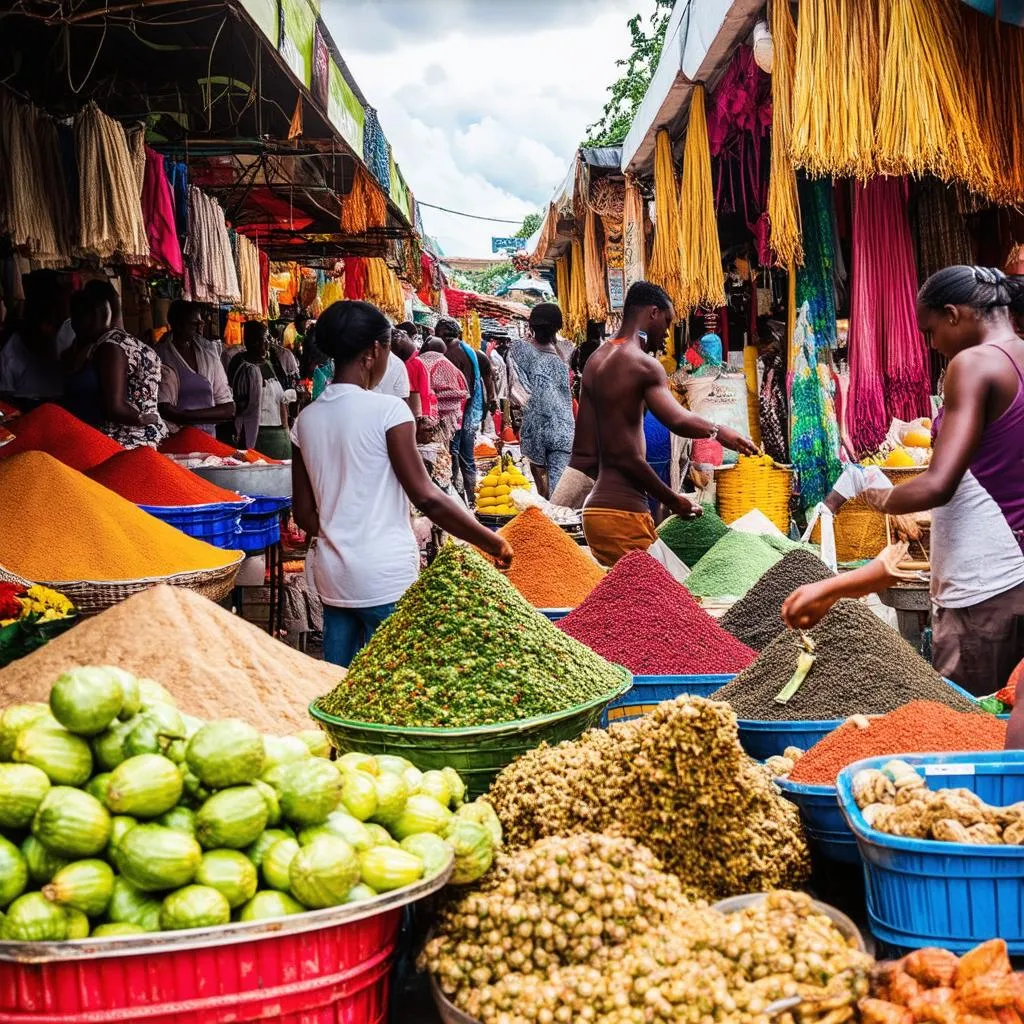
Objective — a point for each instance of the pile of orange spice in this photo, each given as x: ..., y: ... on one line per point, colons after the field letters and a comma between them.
x: 548, y: 567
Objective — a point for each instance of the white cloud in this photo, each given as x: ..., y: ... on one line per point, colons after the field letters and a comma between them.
x: 484, y: 101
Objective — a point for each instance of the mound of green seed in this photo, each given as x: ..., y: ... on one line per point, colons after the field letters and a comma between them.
x: 691, y: 539
x: 463, y: 648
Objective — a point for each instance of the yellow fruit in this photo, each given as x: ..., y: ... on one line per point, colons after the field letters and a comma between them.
x: 487, y: 491
x: 899, y: 457
x: 506, y: 478
x: 917, y: 438
x: 503, y: 490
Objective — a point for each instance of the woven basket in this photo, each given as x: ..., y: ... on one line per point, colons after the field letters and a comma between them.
x: 860, y: 529
x: 92, y: 597
x: 746, y: 486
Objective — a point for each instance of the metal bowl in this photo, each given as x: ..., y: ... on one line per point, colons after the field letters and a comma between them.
x: 269, y: 479
x: 849, y: 931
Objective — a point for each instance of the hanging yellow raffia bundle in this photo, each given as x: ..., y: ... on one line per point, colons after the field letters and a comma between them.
x: 575, y: 319
x: 927, y: 116
x: 594, y: 271
x: 700, y: 253
x: 835, y: 89
x: 365, y: 206
x: 783, y: 207
x: 562, y: 284
x: 665, y: 268
x: 384, y: 289
x: 633, y: 232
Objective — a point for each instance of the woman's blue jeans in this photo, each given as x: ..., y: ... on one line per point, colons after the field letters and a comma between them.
x: 348, y: 630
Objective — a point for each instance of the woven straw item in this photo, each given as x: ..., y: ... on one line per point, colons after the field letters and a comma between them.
x: 92, y: 597
x: 860, y: 529
x: 752, y: 484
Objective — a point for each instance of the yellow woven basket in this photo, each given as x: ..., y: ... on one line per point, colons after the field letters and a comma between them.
x: 860, y: 529
x: 752, y: 484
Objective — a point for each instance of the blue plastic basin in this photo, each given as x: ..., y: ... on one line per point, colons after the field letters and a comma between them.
x: 762, y: 739
x: 822, y: 819
x: 554, y: 614
x: 926, y: 893
x: 649, y: 691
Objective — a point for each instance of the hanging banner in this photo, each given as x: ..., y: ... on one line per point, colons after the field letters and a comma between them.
x: 265, y: 14
x: 399, y: 191
x: 296, y: 46
x: 344, y: 110
x: 616, y: 288
x: 320, y: 84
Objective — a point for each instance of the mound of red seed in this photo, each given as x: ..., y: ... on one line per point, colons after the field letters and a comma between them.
x: 640, y: 617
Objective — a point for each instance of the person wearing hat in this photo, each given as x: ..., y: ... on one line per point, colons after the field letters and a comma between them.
x: 548, y: 425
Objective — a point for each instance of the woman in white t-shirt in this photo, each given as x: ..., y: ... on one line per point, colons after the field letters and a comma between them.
x: 355, y: 468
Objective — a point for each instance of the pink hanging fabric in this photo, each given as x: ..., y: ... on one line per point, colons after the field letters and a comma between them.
x: 158, y: 213
x: 889, y: 364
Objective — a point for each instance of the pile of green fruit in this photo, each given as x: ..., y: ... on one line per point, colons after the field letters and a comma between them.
x: 119, y: 814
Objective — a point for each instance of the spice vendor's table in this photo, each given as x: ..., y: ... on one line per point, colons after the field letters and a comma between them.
x: 912, y: 603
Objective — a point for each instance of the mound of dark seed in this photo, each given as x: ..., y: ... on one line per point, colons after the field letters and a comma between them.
x: 862, y: 666
x: 756, y: 619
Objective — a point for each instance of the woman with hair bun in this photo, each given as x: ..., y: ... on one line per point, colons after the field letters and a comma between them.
x: 974, y: 487
x: 355, y: 469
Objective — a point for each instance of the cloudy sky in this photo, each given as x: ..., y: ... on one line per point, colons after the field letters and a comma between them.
x: 483, y: 101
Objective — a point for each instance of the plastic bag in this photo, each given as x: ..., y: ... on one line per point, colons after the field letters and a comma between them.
x: 824, y: 515
x: 855, y: 480
x: 722, y: 399
x: 662, y: 553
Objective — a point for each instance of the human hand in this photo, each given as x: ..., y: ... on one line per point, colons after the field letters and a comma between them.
x: 735, y: 441
x: 501, y: 551
x: 684, y: 508
x: 807, y: 605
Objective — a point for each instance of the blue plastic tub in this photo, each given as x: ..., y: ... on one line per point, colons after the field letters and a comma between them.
x: 217, y: 524
x: 823, y: 819
x: 762, y: 739
x: 925, y: 893
x: 649, y: 691
x: 554, y: 614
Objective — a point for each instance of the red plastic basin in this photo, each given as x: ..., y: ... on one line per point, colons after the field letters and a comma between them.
x: 322, y: 967
x: 335, y: 975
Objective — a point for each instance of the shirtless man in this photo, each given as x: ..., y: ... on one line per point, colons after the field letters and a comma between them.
x: 620, y: 381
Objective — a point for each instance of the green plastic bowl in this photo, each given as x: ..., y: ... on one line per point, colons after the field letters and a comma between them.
x: 477, y: 753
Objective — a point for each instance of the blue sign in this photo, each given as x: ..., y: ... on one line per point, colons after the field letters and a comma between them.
x: 506, y: 244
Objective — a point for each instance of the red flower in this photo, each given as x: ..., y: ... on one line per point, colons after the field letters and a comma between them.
x: 10, y: 606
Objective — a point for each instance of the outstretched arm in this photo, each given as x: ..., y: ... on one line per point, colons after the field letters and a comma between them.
x: 661, y: 402
x: 963, y: 424
x: 450, y: 515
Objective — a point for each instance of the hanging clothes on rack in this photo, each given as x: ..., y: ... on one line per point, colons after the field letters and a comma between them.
x: 212, y: 276
x: 158, y: 213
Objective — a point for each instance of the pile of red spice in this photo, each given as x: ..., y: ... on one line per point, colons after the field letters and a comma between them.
x: 51, y: 429
x: 146, y: 477
x: 919, y: 727
x: 193, y: 441
x: 640, y: 617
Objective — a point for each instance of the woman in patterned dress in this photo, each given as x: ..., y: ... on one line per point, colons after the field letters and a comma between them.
x: 548, y: 424
x: 129, y: 373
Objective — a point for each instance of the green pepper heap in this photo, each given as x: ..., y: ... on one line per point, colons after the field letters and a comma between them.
x: 463, y: 648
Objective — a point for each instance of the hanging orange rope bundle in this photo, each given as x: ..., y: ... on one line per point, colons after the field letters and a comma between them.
x: 665, y: 268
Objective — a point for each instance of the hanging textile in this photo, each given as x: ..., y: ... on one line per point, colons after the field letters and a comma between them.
x: 212, y: 276
x: 109, y: 190
x: 355, y: 277
x: 177, y: 175
x: 700, y: 253
x: 264, y: 282
x: 594, y: 271
x: 383, y: 288
x: 739, y: 117
x: 158, y: 214
x: 783, y: 207
x: 249, y: 280
x: 365, y: 206
x: 814, y: 431
x: 576, y: 318
x: 942, y: 238
x: 376, y: 153
x: 33, y: 199
x: 664, y: 268
x: 633, y: 232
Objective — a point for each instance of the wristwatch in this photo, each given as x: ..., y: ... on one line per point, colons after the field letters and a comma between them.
x: 714, y: 432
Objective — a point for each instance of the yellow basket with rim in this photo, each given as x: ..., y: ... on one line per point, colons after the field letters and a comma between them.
x: 753, y: 483
x: 860, y: 530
